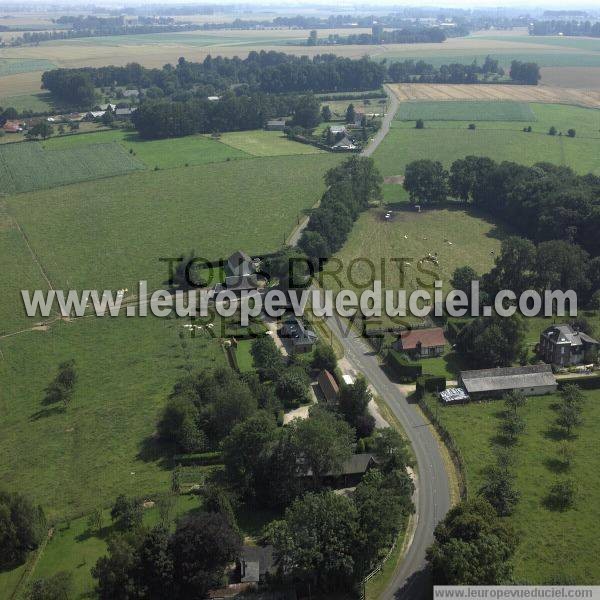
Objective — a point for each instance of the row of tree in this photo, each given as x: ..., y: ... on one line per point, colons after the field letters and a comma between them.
x: 351, y: 186
x: 564, y: 27
x: 406, y: 35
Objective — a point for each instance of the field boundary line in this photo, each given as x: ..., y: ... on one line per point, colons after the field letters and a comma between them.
x: 33, y: 254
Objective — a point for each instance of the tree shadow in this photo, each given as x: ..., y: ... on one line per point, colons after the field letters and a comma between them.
x: 102, y: 534
x: 47, y: 412
x: 557, y: 434
x: 152, y: 449
x: 556, y: 465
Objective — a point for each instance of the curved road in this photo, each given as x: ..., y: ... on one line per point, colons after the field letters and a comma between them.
x: 410, y: 582
x: 432, y: 499
x: 294, y: 237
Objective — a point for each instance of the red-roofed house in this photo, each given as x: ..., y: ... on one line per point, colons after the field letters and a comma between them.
x: 328, y: 386
x: 12, y: 127
x: 421, y: 343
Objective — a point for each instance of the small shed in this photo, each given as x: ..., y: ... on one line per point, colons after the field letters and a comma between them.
x: 328, y: 386
x: 276, y: 125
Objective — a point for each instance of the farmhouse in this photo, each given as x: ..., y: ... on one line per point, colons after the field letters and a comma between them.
x: 335, y: 129
x: 124, y: 113
x: 328, y: 386
x: 421, y: 343
x: 276, y: 125
x: 564, y: 346
x: 533, y: 380
x: 11, y: 127
x: 302, y: 339
x: 344, y: 144
x: 131, y: 93
x: 351, y: 472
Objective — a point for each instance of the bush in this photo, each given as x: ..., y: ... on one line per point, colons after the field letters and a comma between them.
x: 472, y: 126
x: 585, y: 383
x: 571, y: 133
x: 403, y: 367
x: 420, y: 124
x: 552, y: 130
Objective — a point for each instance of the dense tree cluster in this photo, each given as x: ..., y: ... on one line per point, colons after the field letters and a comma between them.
x: 203, y: 408
x: 525, y: 72
x: 563, y: 27
x: 351, y: 187
x: 22, y: 528
x: 358, y: 530
x: 406, y: 35
x: 472, y: 546
x: 162, y: 565
x: 411, y: 71
x: 271, y: 72
x: 61, y: 387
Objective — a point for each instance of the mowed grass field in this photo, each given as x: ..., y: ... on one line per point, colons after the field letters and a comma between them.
x: 465, y: 111
x: 265, y: 143
x: 164, y: 154
x: 28, y: 166
x: 501, y: 140
x: 553, y: 544
x: 37, y: 103
x: 390, y: 250
x: 112, y: 233
x: 73, y: 460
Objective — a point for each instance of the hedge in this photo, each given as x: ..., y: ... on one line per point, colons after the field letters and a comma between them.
x: 591, y: 382
x: 198, y: 458
x: 430, y: 383
x: 403, y: 367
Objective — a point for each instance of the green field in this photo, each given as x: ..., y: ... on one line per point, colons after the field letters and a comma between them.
x: 501, y: 140
x: 28, y: 166
x: 266, y: 143
x: 164, y: 154
x: 73, y: 460
x: 465, y: 111
x: 547, y: 537
x: 37, y: 103
x: 374, y: 239
x: 12, y: 66
x: 114, y: 233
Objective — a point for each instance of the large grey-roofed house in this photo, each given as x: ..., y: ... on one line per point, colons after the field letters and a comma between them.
x: 532, y: 380
x: 300, y: 337
x: 240, y: 272
x: 564, y: 346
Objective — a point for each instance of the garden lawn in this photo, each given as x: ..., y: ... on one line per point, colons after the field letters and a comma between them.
x: 553, y: 544
x: 111, y: 234
x: 12, y: 66
x: 164, y: 154
x: 101, y: 445
x: 266, y: 143
x: 244, y: 357
x: 37, y: 103
x: 465, y: 111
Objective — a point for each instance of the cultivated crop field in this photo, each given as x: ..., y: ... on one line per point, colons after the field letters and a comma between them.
x: 547, y: 536
x: 12, y: 66
x: 464, y: 111
x: 27, y: 166
x: 408, y: 237
x: 520, y: 93
x: 134, y: 220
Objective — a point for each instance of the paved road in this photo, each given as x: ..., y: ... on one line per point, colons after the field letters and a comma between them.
x: 385, y: 127
x: 385, y: 124
x: 433, y: 495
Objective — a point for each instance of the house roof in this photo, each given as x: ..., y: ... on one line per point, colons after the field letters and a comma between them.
x: 507, y: 378
x: 124, y: 111
x: 241, y: 282
x: 255, y: 561
x: 239, y: 263
x: 428, y: 338
x: 328, y: 385
x: 276, y: 122
x: 356, y: 464
x: 345, y: 142
x: 12, y: 127
x: 565, y: 334
x: 295, y: 329
x: 337, y: 128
